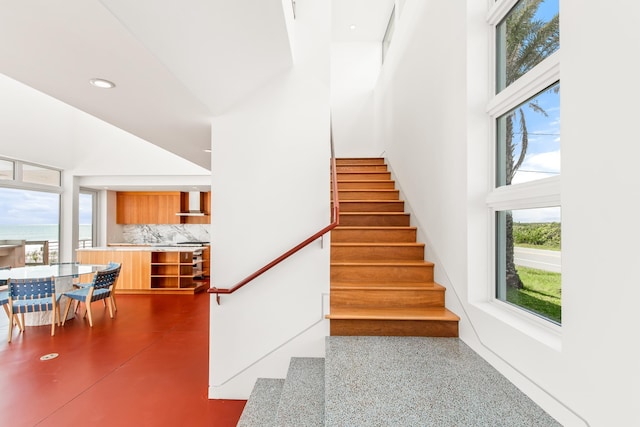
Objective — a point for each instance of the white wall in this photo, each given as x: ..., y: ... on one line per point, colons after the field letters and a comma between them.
x: 599, y: 93
x: 430, y: 110
x: 271, y: 178
x: 354, y: 71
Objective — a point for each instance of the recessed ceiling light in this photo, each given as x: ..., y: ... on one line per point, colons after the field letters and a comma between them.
x: 352, y: 27
x: 207, y: 150
x: 102, y: 83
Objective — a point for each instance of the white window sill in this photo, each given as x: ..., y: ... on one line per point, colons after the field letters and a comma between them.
x: 541, y: 330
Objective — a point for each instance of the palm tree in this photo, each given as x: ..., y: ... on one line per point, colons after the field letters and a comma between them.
x: 528, y: 42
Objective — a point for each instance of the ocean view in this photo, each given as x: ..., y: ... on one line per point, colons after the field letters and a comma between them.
x: 39, y: 232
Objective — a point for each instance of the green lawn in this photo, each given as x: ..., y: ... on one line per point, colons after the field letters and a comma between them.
x: 542, y: 293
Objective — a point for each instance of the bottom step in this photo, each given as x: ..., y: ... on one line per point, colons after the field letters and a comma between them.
x: 302, y: 399
x: 297, y: 401
x: 262, y: 405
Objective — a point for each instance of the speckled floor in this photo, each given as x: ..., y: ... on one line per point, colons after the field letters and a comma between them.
x: 392, y: 381
x: 407, y: 381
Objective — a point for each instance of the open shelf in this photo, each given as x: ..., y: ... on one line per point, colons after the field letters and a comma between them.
x: 172, y: 270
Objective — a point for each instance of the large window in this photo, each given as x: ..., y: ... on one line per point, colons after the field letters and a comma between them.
x: 32, y: 216
x: 30, y: 200
x: 525, y: 202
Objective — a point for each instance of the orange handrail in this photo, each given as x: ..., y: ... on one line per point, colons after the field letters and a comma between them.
x: 335, y: 218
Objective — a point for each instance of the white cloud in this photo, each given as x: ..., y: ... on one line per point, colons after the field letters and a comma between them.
x: 538, y: 166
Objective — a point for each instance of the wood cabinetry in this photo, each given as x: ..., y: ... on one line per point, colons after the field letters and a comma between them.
x: 147, y: 271
x: 172, y: 270
x: 134, y: 273
x: 206, y: 261
x: 160, y: 207
x: 147, y: 207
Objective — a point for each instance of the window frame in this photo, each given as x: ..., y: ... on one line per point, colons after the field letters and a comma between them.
x: 17, y: 181
x: 541, y: 193
x: 94, y: 213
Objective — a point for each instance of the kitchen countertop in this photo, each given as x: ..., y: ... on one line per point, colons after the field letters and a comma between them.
x: 140, y: 248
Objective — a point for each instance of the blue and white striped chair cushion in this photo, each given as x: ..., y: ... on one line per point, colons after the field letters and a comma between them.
x: 82, y: 293
x: 33, y: 305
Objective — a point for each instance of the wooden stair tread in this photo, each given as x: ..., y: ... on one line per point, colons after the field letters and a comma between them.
x: 408, y: 263
x: 355, y: 313
x: 340, y: 160
x: 369, y: 200
x: 362, y: 181
x: 368, y: 190
x: 373, y: 213
x: 398, y: 286
x: 382, y: 244
x: 374, y: 227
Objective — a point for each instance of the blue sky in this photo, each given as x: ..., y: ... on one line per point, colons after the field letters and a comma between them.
x: 543, y: 153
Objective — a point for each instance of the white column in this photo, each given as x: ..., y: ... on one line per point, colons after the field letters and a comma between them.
x: 68, y: 218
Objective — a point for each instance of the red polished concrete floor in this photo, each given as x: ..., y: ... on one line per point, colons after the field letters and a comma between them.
x: 148, y: 366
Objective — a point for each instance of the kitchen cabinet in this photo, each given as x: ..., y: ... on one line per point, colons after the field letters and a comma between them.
x: 159, y: 207
x: 138, y: 207
x: 147, y: 270
x: 206, y: 261
x: 171, y: 270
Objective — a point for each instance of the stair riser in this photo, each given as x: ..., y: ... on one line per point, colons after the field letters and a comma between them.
x: 361, y: 168
x: 363, y: 176
x: 381, y: 273
x: 377, y: 253
x: 359, y: 161
x: 366, y: 185
x: 367, y: 195
x: 383, y: 206
x: 406, y: 328
x: 364, y: 298
x: 375, y: 220
x: 373, y: 235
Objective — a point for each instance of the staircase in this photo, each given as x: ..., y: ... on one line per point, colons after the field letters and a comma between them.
x: 380, y: 283
x: 393, y: 357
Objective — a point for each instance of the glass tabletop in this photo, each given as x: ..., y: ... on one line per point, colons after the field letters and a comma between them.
x: 57, y: 270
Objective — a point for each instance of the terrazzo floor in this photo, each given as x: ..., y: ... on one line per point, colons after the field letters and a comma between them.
x: 406, y: 381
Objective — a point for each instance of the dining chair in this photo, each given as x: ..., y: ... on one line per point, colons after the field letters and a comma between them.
x: 112, y: 296
x: 100, y: 288
x: 30, y: 296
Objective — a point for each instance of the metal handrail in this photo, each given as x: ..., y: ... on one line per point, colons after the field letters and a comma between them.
x: 335, y: 218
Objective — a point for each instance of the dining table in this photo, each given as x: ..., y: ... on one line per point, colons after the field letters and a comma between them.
x: 64, y: 274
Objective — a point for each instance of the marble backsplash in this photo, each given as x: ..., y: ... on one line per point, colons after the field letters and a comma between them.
x: 166, y: 233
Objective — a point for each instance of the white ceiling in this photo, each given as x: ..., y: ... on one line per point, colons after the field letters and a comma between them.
x: 175, y: 64
x: 369, y: 17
